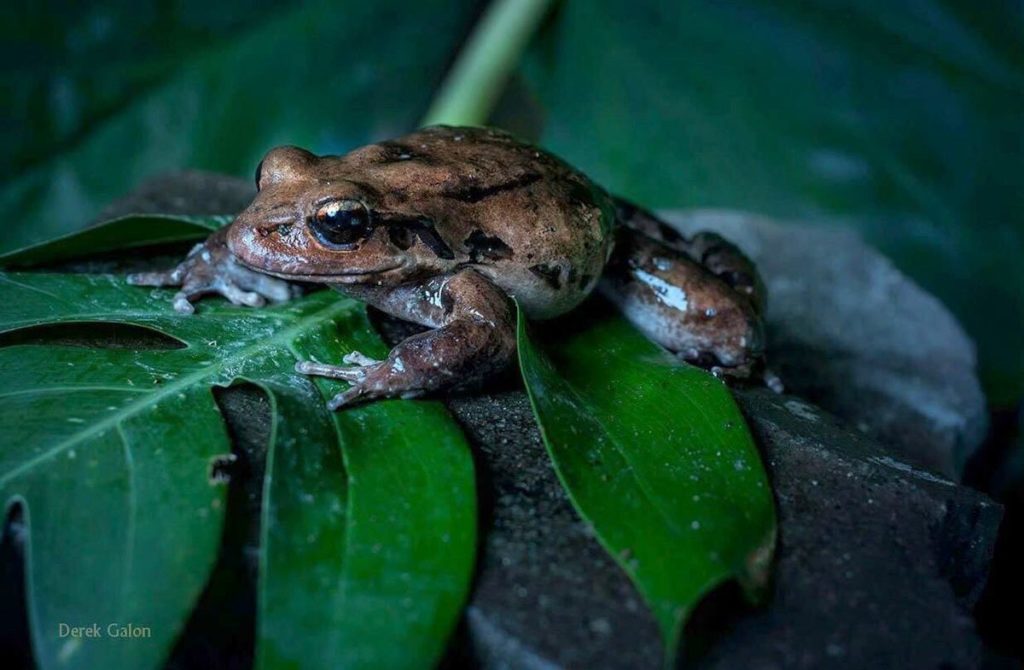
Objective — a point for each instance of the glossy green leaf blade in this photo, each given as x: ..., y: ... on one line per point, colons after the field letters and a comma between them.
x: 656, y: 456
x: 110, y: 452
x: 375, y: 575
x: 124, y: 232
x: 123, y: 523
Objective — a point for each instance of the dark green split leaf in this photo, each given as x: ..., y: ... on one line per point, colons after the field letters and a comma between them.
x: 369, y: 527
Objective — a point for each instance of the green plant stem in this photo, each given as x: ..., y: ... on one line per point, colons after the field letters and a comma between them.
x: 472, y: 88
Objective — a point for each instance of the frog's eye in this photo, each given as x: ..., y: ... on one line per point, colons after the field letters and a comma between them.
x: 341, y: 223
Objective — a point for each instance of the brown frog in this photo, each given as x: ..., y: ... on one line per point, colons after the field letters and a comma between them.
x: 443, y: 227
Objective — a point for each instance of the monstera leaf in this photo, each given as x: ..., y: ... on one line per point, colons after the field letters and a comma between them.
x: 115, y: 454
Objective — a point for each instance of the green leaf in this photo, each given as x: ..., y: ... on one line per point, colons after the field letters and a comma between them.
x: 656, y: 456
x: 110, y: 451
x: 902, y: 119
x: 124, y: 232
x: 373, y: 574
x: 328, y: 76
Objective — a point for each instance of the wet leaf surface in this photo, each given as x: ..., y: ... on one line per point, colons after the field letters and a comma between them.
x: 368, y: 515
x: 655, y: 456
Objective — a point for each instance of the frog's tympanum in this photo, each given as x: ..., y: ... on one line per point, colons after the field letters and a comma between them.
x: 443, y: 227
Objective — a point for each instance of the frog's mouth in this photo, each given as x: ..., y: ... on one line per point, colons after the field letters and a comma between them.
x: 338, y: 277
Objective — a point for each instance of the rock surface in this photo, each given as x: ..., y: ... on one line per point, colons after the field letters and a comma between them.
x: 851, y: 333
x: 878, y: 561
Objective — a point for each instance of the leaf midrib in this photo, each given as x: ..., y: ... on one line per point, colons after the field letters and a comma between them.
x: 181, y: 383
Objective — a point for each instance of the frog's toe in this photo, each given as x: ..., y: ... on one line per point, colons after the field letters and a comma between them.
x: 349, y: 374
x: 773, y: 381
x: 347, y: 397
x: 238, y: 296
x: 166, y: 278
x: 181, y: 303
x: 360, y: 359
x: 271, y: 288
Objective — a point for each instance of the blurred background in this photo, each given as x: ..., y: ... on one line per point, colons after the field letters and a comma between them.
x: 902, y: 120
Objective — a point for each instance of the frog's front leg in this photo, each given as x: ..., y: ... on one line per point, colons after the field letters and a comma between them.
x: 210, y: 268
x: 473, y: 337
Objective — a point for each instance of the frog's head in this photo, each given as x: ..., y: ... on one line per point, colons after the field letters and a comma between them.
x: 314, y: 219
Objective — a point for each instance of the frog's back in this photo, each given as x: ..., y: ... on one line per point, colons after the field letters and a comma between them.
x: 527, y: 220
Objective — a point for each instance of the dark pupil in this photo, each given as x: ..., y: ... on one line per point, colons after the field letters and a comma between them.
x: 341, y: 226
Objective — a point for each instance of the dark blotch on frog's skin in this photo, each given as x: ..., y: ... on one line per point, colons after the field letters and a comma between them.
x: 480, y: 245
x: 401, y: 236
x: 427, y: 232
x: 550, y: 273
x: 401, y: 231
x: 478, y: 193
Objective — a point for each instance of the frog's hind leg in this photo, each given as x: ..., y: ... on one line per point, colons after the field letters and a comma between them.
x: 676, y: 302
x: 718, y: 255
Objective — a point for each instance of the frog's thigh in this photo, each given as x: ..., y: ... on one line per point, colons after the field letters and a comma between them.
x: 679, y: 304
x: 723, y: 258
x: 475, y: 338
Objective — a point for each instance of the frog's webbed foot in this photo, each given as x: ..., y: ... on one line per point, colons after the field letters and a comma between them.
x: 210, y: 268
x: 473, y: 338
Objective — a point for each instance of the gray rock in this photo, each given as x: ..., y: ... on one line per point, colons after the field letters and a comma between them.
x: 851, y: 333
x: 878, y: 561
x: 546, y: 594
x: 189, y: 192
